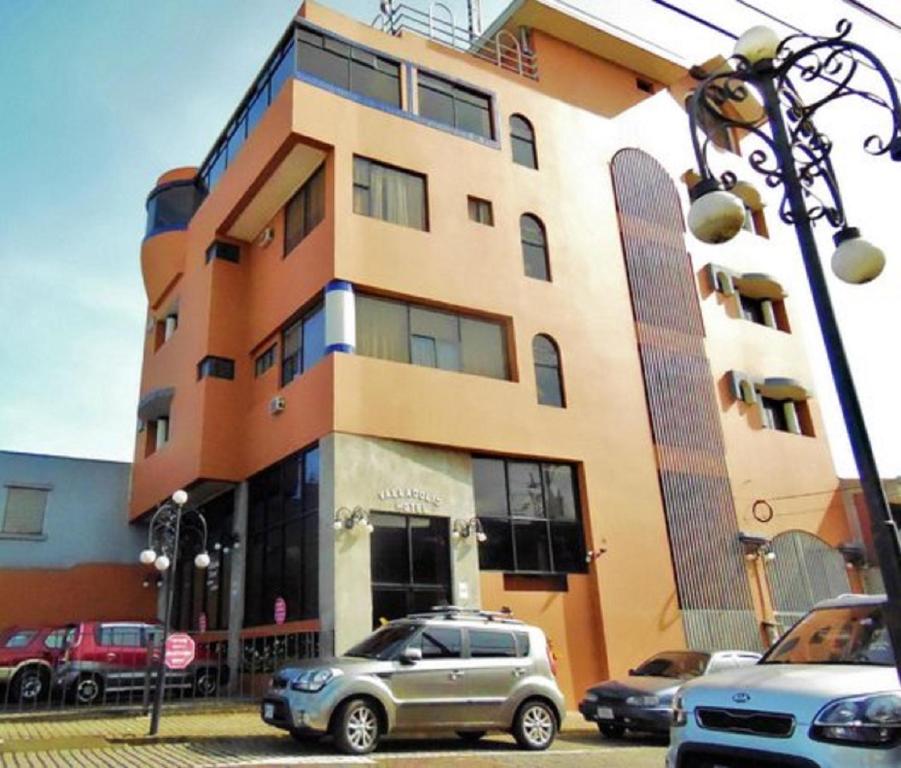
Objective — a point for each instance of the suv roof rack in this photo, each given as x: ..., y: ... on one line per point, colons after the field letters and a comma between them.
x: 458, y: 612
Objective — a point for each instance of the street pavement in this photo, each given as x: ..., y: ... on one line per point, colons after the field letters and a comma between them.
x: 237, y: 737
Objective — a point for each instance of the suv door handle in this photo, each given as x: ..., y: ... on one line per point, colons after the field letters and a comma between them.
x: 111, y: 657
x: 456, y: 674
x: 519, y: 671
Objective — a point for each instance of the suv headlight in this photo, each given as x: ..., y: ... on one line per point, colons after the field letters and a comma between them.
x: 643, y: 701
x: 313, y: 680
x: 874, y: 720
x: 680, y: 714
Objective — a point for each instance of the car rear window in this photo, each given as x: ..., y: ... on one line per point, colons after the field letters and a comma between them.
x: 20, y: 639
x: 120, y: 636
x: 491, y: 644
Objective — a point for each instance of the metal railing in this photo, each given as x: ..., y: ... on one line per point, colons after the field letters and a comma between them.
x: 129, y: 681
x: 503, y: 49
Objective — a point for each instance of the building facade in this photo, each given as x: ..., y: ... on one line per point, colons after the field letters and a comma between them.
x: 66, y: 550
x: 425, y: 327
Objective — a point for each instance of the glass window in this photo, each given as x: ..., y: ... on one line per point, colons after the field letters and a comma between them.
x: 264, y: 361
x: 382, y: 329
x: 216, y: 368
x: 522, y: 140
x: 548, y: 377
x: 534, y: 247
x: 392, y: 330
x: 20, y: 638
x: 174, y: 204
x: 390, y: 194
x: 678, y: 665
x: 441, y: 643
x: 429, y: 549
x: 303, y: 344
x: 752, y: 309
x: 774, y: 413
x: 530, y: 515
x: 129, y: 637
x: 390, y: 561
x: 454, y: 105
x: 480, y: 211
x: 56, y: 639
x: 305, y: 210
x: 24, y: 512
x: 487, y: 644
x: 384, y: 644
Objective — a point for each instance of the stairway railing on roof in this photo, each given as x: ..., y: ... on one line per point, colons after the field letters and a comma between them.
x: 503, y: 50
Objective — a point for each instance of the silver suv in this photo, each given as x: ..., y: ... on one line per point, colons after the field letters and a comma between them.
x: 447, y: 670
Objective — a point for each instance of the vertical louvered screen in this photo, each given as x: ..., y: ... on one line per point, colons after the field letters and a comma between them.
x: 714, y: 593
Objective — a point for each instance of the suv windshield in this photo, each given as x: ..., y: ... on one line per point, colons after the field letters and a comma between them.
x: 851, y: 635
x: 384, y: 644
x: 678, y: 665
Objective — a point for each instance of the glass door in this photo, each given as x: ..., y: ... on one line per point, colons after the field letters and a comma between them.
x: 410, y: 564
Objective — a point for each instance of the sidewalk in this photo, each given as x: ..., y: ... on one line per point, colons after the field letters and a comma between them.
x: 27, y: 734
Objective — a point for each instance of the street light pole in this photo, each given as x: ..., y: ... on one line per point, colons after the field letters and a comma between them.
x: 163, y: 539
x: 802, y: 157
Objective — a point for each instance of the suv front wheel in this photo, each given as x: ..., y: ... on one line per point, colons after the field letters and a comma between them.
x: 357, y: 727
x: 535, y: 726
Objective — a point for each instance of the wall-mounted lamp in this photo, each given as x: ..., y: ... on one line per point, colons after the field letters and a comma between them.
x: 346, y: 519
x: 463, y: 529
x: 756, y: 547
x: 593, y: 554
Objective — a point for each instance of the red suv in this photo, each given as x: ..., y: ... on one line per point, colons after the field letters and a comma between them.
x: 28, y: 657
x: 115, y: 657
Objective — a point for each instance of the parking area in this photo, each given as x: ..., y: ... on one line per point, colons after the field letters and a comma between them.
x: 237, y: 737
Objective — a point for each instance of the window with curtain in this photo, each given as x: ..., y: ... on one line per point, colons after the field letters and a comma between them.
x: 305, y: 210
x: 522, y: 141
x: 531, y: 516
x: 534, y: 247
x: 391, y: 194
x: 349, y: 67
x: 548, y: 376
x: 454, y: 105
x: 283, y: 540
x: 303, y: 344
x: 408, y: 333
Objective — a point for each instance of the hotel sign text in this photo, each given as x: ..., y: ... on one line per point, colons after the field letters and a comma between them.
x: 410, y: 499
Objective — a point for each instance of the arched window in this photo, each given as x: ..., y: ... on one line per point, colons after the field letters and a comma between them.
x: 548, y: 377
x: 534, y: 247
x: 522, y: 139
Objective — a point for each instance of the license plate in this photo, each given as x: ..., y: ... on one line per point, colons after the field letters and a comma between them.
x: 605, y: 713
x: 268, y: 711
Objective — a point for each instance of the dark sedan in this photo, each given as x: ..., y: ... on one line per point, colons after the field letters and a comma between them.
x: 643, y: 701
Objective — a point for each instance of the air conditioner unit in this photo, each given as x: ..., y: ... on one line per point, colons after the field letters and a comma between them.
x: 276, y: 404
x: 266, y: 237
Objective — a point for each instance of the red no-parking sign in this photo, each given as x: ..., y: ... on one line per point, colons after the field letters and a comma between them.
x: 179, y: 650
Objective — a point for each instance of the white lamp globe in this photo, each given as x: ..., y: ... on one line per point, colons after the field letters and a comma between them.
x: 161, y: 563
x: 757, y: 44
x: 716, y: 217
x: 856, y: 261
x: 202, y: 560
x: 370, y: 527
x: 481, y: 537
x: 147, y: 557
x: 180, y: 497
x: 338, y: 525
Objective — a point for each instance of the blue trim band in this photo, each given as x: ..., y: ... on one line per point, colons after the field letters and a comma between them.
x: 339, y: 285
x: 163, y: 230
x: 339, y: 348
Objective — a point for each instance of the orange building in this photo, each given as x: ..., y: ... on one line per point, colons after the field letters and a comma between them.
x: 425, y: 326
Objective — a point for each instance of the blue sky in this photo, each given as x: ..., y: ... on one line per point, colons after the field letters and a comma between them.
x: 100, y: 97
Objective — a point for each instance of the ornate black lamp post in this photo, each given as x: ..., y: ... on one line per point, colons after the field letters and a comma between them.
x: 168, y: 525
x: 797, y: 157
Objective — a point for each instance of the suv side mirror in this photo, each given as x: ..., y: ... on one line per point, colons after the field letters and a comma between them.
x: 631, y: 672
x: 410, y: 655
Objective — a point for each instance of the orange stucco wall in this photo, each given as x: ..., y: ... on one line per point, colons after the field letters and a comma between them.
x: 87, y: 592
x: 624, y: 608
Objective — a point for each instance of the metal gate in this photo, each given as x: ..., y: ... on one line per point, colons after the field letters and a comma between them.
x: 805, y: 571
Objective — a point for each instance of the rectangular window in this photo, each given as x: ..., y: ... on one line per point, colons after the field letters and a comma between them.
x: 774, y: 416
x: 454, y: 105
x: 752, y: 309
x: 305, y: 210
x: 264, y: 361
x: 407, y: 333
x: 303, y: 344
x: 24, y: 513
x: 283, y: 539
x: 488, y: 644
x: 441, y: 643
x: 216, y: 368
x: 349, y: 67
x: 530, y: 514
x: 223, y: 251
x: 390, y: 194
x: 128, y: 637
x: 480, y: 211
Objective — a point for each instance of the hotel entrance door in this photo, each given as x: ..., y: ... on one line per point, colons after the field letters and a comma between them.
x: 410, y: 564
